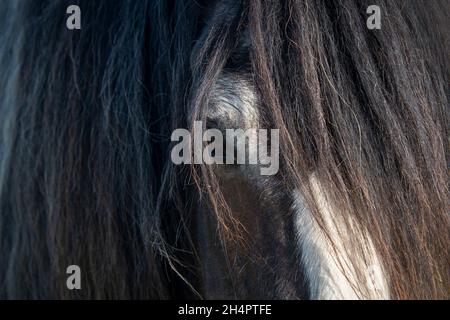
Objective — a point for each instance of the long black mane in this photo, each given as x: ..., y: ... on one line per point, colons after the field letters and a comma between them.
x: 86, y: 118
x: 84, y: 163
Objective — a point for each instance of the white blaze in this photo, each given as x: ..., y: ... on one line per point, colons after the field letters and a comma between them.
x: 329, y: 271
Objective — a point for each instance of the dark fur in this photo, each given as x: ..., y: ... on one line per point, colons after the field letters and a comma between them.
x: 86, y: 118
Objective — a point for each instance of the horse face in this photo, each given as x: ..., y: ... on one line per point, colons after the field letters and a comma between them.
x: 282, y: 252
x: 264, y: 262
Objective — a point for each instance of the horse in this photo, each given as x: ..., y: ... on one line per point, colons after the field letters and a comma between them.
x: 357, y: 210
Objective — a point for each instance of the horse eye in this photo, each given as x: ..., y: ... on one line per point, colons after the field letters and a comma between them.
x: 213, y: 124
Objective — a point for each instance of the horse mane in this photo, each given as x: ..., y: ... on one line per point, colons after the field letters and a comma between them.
x: 86, y: 118
x: 84, y: 161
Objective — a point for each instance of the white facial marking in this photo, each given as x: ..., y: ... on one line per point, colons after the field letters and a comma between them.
x: 328, y: 270
x: 234, y: 103
x: 233, y: 107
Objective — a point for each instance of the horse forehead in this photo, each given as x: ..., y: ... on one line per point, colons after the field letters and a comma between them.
x: 233, y: 102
